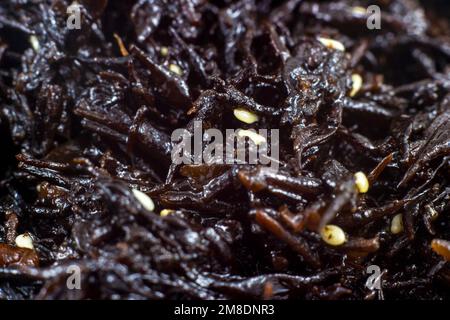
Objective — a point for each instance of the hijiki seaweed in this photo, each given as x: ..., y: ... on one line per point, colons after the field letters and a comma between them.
x: 86, y: 177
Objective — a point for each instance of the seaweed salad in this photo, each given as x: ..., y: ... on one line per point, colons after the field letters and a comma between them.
x: 91, y: 92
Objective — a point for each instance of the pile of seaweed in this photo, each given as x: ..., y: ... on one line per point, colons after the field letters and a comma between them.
x: 87, y: 180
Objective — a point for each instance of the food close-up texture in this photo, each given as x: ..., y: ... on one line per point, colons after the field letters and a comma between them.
x: 361, y: 104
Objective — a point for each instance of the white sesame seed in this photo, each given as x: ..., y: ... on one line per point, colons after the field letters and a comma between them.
x: 175, y: 69
x: 144, y: 199
x: 333, y: 235
x: 24, y: 241
x: 166, y: 212
x: 252, y: 135
x: 397, y: 224
x: 34, y: 43
x: 245, y: 116
x: 361, y: 182
x: 332, y: 44
x: 356, y: 84
x: 164, y: 51
x: 361, y: 11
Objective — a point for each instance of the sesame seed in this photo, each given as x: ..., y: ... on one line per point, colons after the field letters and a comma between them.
x: 175, y: 69
x: 361, y: 182
x: 166, y: 212
x: 144, y: 199
x: 356, y: 84
x: 331, y: 44
x: 35, y: 43
x: 397, y: 224
x: 24, y: 241
x: 164, y: 51
x: 245, y: 116
x: 252, y: 135
x: 333, y: 235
